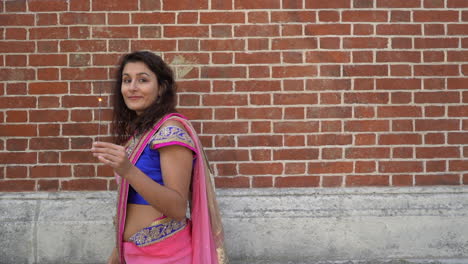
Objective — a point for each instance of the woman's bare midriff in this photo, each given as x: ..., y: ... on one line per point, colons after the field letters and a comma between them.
x: 139, y: 216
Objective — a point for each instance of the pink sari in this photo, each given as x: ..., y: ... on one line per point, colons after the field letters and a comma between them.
x: 204, y: 232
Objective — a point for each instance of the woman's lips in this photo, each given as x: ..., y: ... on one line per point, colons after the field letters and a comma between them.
x: 134, y: 97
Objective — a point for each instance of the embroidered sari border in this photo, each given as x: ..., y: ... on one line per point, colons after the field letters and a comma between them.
x: 158, y: 231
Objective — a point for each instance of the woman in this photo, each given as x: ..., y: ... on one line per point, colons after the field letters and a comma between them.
x: 160, y: 168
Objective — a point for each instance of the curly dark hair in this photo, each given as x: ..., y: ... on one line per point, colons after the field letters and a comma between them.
x: 126, y: 122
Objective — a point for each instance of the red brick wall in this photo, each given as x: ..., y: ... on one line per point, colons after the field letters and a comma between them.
x: 291, y: 93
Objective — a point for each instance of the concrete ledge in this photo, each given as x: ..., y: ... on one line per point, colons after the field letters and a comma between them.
x: 346, y: 226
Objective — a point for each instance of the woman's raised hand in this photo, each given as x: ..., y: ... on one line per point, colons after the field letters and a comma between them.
x: 112, y: 155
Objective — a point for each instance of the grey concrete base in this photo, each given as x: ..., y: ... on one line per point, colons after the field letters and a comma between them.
x: 319, y: 226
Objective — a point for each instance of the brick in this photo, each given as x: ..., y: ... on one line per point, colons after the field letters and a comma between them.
x: 82, y: 18
x: 367, y: 153
x: 448, y: 179
x: 48, y: 88
x: 436, y: 166
x: 328, y: 84
x: 437, y: 152
x: 297, y: 181
x: 294, y: 141
x: 82, y: 45
x: 262, y: 182
x: 329, y: 112
x: 18, y: 102
x: 16, y: 116
x: 15, y: 6
x: 398, y: 56
x: 435, y: 43
x: 185, y: 31
x: 48, y: 115
x: 458, y: 165
x: 292, y: 16
x: 226, y: 169
x: 367, y: 125
x: 115, y: 32
x: 84, y: 184
x: 330, y: 43
x: 47, y: 46
x: 402, y: 180
x: 365, y: 43
x: 16, y: 172
x: 48, y: 60
x: 327, y: 57
x: 364, y: 16
x: 256, y: 30
x: 49, y: 143
x: 294, y: 43
x: 367, y: 180
x: 296, y: 154
x: 258, y: 17
x: 398, y: 3
x: 327, y: 29
x: 295, y: 127
x: 457, y: 3
x: 400, y: 16
x: 114, y: 5
x: 400, y: 139
x: 295, y: 99
x: 365, y: 70
x: 17, y: 19
x: 260, y: 155
x: 434, y: 84
x: 437, y: 97
x: 259, y: 113
x: 363, y: 3
x: 258, y: 58
x: 402, y: 43
x: 222, y: 18
x: 363, y: 29
x: 52, y: 171
x: 458, y: 111
x: 225, y: 127
x: 332, y: 181
x: 223, y: 72
x: 457, y: 29
x: 398, y: 84
x: 49, y: 130
x: 329, y: 16
x: 436, y: 70
x: 435, y: 16
x: 434, y: 4
x: 221, y: 5
x: 365, y: 166
x: 17, y: 186
x: 434, y: 111
x: 292, y: 57
x: 402, y: 125
x: 327, y: 4
x: 17, y: 144
x: 294, y: 71
x: 236, y: 182
x: 79, y: 6
x: 330, y: 167
x: 15, y: 34
x: 260, y: 4
x: 457, y: 56
x: 437, y: 125
x: 399, y: 111
x: 434, y: 29
x: 400, y: 166
x: 221, y: 31
x: 11, y: 158
x: 332, y: 153
x: 261, y: 168
x: 366, y: 98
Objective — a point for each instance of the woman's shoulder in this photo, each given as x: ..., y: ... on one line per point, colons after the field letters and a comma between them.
x: 172, y: 132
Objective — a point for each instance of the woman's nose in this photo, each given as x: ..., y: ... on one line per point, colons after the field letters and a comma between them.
x: 133, y: 85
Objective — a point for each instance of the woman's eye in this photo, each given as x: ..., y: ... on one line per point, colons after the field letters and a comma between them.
x: 127, y: 81
x: 143, y: 80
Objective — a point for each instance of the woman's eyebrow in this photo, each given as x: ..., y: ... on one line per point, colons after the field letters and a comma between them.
x: 140, y: 73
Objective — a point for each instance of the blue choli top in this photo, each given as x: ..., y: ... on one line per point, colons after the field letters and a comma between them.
x: 149, y: 162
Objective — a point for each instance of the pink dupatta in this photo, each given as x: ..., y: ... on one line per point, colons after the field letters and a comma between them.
x: 207, y: 230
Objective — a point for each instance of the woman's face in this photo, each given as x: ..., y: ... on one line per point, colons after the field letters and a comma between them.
x: 140, y: 86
